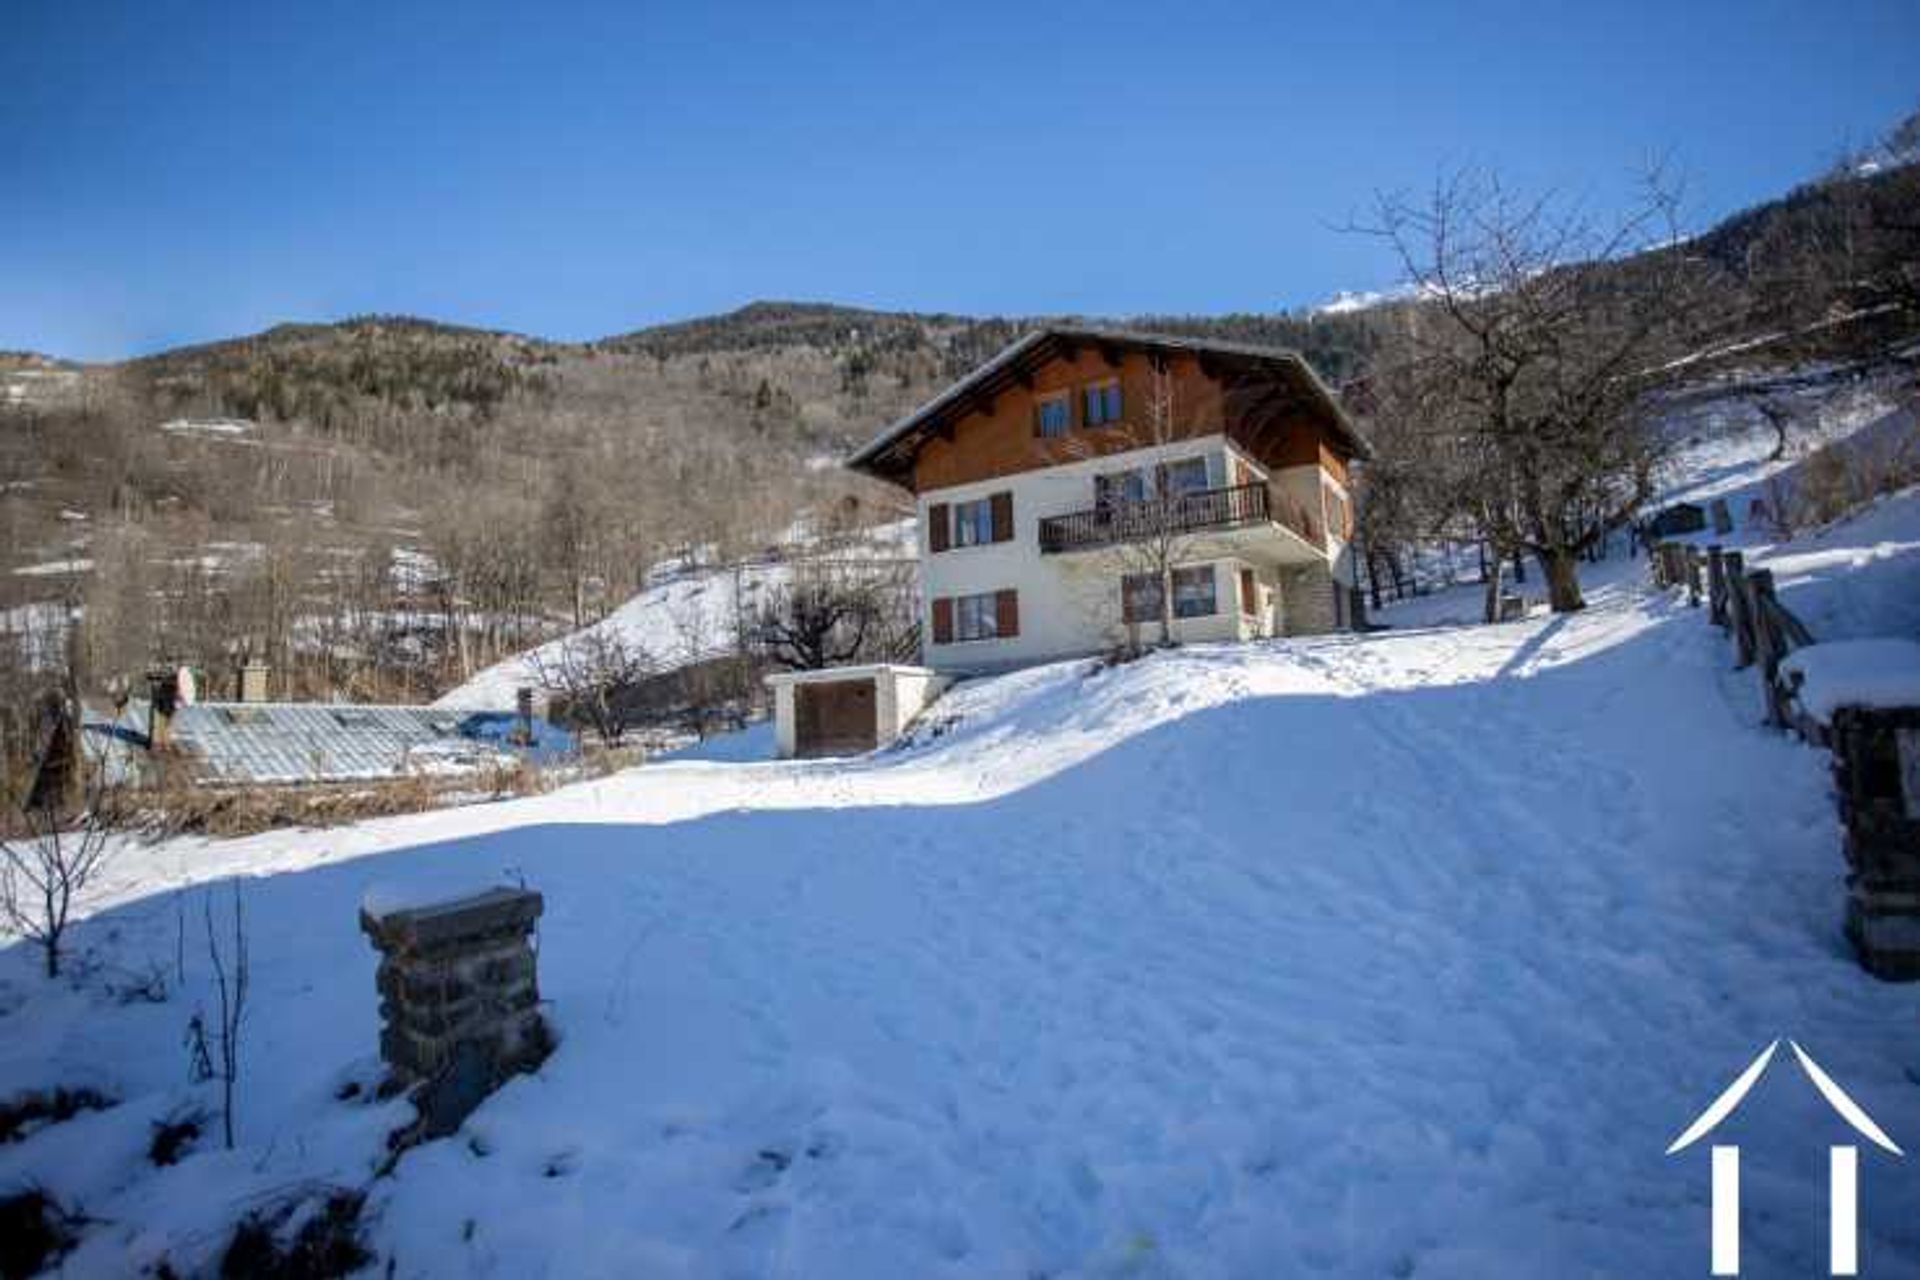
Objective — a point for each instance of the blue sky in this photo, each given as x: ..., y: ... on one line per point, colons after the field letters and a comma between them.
x: 176, y: 172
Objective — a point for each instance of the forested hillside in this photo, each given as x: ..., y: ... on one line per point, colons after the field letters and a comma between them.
x: 384, y: 504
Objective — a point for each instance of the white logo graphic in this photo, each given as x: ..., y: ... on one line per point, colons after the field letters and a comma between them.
x: 1843, y: 1167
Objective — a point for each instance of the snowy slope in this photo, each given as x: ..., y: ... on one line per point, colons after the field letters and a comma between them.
x: 1404, y: 955
x: 686, y: 613
x: 679, y: 621
x: 1856, y: 578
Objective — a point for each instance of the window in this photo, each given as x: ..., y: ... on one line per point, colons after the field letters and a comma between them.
x: 1189, y: 475
x: 1119, y: 486
x: 1053, y: 416
x: 973, y: 522
x: 976, y: 617
x: 1193, y: 594
x: 1102, y: 404
x: 1140, y: 597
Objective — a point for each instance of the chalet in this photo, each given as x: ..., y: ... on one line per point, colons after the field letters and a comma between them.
x: 1041, y: 476
x: 1066, y: 484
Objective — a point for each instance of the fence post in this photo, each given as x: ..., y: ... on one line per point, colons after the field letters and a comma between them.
x: 1691, y: 555
x: 1716, y: 586
x: 1771, y: 644
x: 1741, y: 611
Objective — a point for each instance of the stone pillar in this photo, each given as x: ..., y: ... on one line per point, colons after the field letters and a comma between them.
x: 1876, y: 771
x: 459, y: 998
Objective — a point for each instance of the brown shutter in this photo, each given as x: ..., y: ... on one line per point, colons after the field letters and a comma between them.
x: 939, y: 527
x: 1002, y: 504
x: 1006, y: 611
x: 1249, y: 593
x: 943, y: 620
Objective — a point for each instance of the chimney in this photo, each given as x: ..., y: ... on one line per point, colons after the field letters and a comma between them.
x: 163, y: 699
x: 253, y: 681
x: 523, y: 711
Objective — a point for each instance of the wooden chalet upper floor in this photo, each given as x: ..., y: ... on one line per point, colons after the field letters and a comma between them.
x: 1062, y: 395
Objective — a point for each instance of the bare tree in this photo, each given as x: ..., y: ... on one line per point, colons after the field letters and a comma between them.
x: 60, y: 851
x: 1522, y: 382
x: 587, y: 672
x: 825, y: 615
x: 1780, y: 418
x: 232, y: 975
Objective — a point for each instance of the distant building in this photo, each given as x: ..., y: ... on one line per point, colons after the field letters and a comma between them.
x: 1680, y: 518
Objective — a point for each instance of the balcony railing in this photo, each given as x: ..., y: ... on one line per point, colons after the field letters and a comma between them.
x: 1141, y: 521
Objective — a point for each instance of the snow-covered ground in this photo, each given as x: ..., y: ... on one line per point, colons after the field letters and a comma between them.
x: 1386, y: 956
x: 686, y: 613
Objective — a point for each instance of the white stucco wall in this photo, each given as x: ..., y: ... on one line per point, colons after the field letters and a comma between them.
x: 901, y: 693
x: 1070, y: 603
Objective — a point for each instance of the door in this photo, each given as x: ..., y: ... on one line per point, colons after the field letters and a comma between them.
x: 835, y: 718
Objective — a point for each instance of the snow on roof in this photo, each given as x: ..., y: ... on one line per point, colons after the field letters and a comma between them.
x: 1856, y: 673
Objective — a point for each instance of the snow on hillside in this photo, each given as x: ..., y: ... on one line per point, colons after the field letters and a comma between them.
x: 1724, y: 439
x: 1396, y: 955
x: 1856, y: 578
x: 688, y: 612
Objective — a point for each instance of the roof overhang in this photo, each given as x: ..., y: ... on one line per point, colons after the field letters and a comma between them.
x: 889, y: 455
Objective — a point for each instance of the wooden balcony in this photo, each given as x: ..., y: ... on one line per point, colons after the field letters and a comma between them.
x: 1236, y: 507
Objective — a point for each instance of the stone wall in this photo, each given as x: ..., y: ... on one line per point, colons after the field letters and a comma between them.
x: 1876, y: 771
x: 459, y: 998
x: 1307, y: 605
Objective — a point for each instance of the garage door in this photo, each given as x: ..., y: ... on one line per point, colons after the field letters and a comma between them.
x: 834, y: 718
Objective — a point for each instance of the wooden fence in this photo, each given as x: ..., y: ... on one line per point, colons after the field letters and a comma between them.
x: 1742, y: 602
x: 1875, y: 752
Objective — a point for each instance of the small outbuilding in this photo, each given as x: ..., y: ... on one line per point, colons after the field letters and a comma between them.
x: 1678, y: 519
x: 844, y: 711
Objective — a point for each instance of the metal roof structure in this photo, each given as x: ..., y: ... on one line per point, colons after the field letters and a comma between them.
x: 264, y: 743
x: 306, y: 742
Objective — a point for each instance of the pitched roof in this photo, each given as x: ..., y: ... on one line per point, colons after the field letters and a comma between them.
x: 893, y: 449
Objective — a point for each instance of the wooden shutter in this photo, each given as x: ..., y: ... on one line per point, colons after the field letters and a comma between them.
x: 1006, y: 613
x: 1249, y: 593
x: 939, y: 527
x: 1002, y: 504
x: 943, y: 620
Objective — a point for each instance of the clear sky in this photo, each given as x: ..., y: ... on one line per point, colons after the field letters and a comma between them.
x: 175, y: 172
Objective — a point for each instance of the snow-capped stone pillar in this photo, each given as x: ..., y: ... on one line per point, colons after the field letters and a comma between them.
x: 1876, y: 771
x: 459, y: 996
